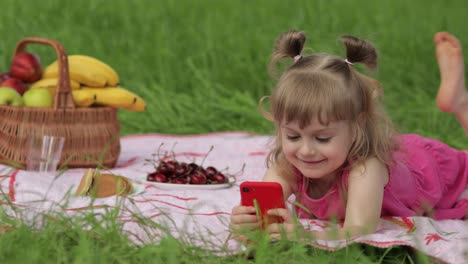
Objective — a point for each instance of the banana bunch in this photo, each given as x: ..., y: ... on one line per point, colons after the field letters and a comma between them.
x: 93, y: 83
x: 86, y: 70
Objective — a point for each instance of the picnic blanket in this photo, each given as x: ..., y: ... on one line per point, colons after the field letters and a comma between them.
x: 201, y: 216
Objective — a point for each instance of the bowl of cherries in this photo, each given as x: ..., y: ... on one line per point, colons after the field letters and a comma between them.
x: 170, y: 173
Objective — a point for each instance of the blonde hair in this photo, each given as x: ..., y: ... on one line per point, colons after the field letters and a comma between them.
x: 329, y: 88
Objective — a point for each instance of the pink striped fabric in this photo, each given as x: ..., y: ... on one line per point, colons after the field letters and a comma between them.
x: 201, y: 217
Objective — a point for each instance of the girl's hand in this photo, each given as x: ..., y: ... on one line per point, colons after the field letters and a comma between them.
x: 243, y: 218
x: 289, y: 227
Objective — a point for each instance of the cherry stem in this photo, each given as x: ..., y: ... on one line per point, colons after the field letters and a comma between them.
x: 211, y: 148
x: 172, y: 151
x: 158, y: 153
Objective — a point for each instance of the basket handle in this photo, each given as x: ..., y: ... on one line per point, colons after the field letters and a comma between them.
x: 63, y: 97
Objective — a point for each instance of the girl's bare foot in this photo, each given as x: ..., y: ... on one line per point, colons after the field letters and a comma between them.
x: 452, y: 96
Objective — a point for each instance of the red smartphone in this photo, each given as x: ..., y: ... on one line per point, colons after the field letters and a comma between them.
x: 264, y: 196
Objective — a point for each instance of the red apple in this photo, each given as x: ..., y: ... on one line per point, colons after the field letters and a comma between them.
x: 16, y: 84
x: 27, y: 67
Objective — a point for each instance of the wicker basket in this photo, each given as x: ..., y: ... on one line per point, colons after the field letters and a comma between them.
x: 91, y: 134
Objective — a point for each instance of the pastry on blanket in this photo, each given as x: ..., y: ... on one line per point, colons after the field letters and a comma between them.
x: 99, y: 185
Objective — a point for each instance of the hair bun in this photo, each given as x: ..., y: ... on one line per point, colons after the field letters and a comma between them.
x: 290, y: 43
x: 360, y: 51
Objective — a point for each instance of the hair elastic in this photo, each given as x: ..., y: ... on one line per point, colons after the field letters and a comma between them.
x: 347, y: 61
x: 297, y: 58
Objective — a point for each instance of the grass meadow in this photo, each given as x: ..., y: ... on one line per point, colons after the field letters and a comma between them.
x: 201, y: 66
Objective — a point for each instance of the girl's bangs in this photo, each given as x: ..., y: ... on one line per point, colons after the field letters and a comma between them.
x: 318, y: 97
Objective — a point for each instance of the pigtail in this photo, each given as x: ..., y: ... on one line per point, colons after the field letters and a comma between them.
x: 376, y: 134
x: 288, y: 44
x: 360, y: 51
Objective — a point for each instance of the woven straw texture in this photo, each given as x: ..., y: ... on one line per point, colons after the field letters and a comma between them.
x: 91, y: 134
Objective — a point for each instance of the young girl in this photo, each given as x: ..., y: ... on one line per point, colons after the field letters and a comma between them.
x: 337, y: 152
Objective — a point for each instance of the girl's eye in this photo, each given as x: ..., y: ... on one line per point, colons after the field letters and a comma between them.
x: 323, y: 139
x: 292, y: 137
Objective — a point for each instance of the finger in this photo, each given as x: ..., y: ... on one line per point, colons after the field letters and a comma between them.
x: 243, y: 210
x: 281, y: 212
x: 244, y: 218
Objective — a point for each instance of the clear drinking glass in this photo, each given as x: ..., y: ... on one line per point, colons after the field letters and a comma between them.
x: 45, y: 152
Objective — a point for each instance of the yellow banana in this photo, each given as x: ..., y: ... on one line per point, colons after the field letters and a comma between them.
x: 51, y: 90
x: 80, y: 99
x: 112, y: 96
x: 83, y: 99
x: 85, y: 70
x: 52, y: 83
x: 111, y: 75
x: 78, y: 72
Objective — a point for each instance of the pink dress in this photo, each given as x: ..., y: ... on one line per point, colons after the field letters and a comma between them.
x: 425, y: 172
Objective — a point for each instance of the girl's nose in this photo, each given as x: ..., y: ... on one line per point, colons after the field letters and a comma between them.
x: 307, y: 149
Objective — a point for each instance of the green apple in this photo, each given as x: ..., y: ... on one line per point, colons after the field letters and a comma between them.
x: 9, y: 96
x: 40, y: 97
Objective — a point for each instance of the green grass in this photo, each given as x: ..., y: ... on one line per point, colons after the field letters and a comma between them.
x: 201, y: 67
x: 97, y: 238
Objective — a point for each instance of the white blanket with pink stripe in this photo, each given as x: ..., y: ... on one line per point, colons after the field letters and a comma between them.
x: 199, y: 216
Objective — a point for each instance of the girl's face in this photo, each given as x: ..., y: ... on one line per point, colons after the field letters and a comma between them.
x: 317, y: 151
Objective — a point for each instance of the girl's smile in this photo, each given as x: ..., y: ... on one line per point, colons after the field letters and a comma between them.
x: 312, y: 162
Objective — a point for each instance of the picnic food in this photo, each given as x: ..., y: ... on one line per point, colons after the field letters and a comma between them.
x: 16, y: 84
x: 26, y: 66
x: 89, y: 133
x: 173, y: 171
x: 93, y: 83
x: 38, y: 98
x: 9, y: 96
x: 110, y: 96
x: 100, y: 185
x: 52, y: 83
x: 86, y: 70
x: 86, y: 96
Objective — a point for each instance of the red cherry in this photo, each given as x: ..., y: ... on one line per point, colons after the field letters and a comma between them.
x: 181, y: 169
x: 171, y: 175
x: 162, y: 167
x: 192, y: 167
x: 159, y: 177
x: 219, y: 178
x: 197, y: 178
x: 182, y: 180
x: 171, y: 166
x: 172, y: 171
x: 211, y: 171
x: 156, y: 177
x: 150, y: 177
